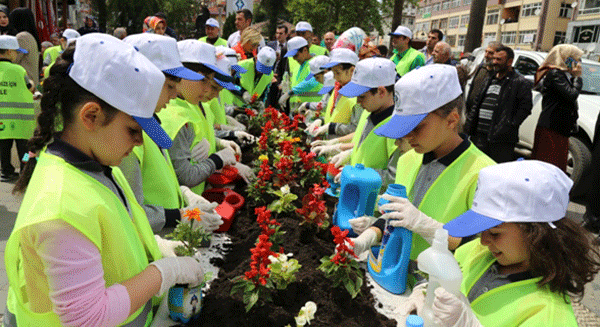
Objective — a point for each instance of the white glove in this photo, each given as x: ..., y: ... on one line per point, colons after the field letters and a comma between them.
x: 244, y: 137
x: 192, y: 198
x: 179, y: 270
x: 327, y: 149
x: 323, y: 130
x: 167, y: 247
x: 234, y: 124
x: 414, y: 302
x: 227, y: 156
x: 341, y: 158
x: 324, y: 142
x: 405, y: 214
x: 247, y: 97
x: 200, y: 151
x: 303, y: 107
x: 312, y: 126
x: 245, y: 172
x: 364, y: 241
x: 283, y: 99
x: 229, y: 109
x: 451, y: 311
x: 338, y: 178
x: 211, y: 220
x: 230, y: 144
x: 360, y: 224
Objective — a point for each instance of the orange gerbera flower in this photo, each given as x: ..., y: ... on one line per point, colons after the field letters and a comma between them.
x: 193, y: 214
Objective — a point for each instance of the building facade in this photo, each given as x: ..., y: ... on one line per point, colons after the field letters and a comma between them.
x: 584, y: 30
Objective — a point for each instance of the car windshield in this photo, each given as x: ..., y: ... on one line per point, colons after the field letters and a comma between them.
x: 591, y: 78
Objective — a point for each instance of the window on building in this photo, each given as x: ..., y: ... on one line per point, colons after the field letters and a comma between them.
x: 586, y: 34
x: 464, y: 20
x: 466, y: 2
x: 455, y: 4
x: 443, y: 23
x: 527, y: 37
x: 509, y: 37
x: 489, y: 37
x: 453, y: 22
x: 435, y: 8
x: 492, y: 17
x: 559, y: 37
x: 451, y: 40
x: 461, y: 40
x: 588, y: 4
x: 435, y: 24
x: 565, y: 10
x: 526, y: 66
x: 531, y: 9
x: 445, y: 5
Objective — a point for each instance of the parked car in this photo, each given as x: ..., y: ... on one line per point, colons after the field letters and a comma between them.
x: 527, y: 63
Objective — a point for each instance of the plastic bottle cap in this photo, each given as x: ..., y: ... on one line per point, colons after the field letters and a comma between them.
x: 414, y: 321
x: 359, y: 166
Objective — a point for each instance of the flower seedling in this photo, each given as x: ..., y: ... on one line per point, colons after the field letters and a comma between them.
x: 313, y: 209
x: 284, y: 202
x: 306, y: 314
x: 283, y: 270
x: 190, y: 233
x: 341, y: 267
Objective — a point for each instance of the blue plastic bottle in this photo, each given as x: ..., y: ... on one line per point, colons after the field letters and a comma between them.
x: 414, y: 321
x: 359, y: 189
x: 388, y: 263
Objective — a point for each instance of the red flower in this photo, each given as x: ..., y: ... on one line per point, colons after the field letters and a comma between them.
x: 250, y: 112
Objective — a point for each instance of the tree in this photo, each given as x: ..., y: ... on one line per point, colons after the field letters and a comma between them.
x: 271, y: 10
x: 229, y: 26
x: 131, y: 14
x: 477, y: 15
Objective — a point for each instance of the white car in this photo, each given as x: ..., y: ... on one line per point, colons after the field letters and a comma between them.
x: 527, y: 63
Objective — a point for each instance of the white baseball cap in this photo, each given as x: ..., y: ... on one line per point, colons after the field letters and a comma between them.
x: 303, y: 27
x: 162, y: 52
x: 370, y: 73
x: 265, y: 60
x: 418, y: 93
x: 203, y: 53
x: 9, y: 42
x: 115, y: 72
x: 232, y: 56
x: 341, y: 56
x: 523, y: 191
x: 71, y: 35
x: 225, y: 65
x: 315, y: 65
x: 294, y: 44
x: 402, y: 31
x: 212, y: 22
x: 328, y: 83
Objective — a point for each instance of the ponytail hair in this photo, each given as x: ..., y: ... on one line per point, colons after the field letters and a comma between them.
x: 62, y: 95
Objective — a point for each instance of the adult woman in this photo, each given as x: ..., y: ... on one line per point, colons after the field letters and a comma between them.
x: 560, y: 77
x: 249, y: 42
x: 5, y: 26
x: 24, y: 24
x: 158, y: 25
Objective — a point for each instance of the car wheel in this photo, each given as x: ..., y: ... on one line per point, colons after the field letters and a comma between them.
x: 578, y: 160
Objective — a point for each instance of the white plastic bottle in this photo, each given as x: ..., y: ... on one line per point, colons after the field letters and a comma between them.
x: 443, y: 270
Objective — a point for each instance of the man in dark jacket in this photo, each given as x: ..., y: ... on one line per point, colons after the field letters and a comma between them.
x: 493, y: 121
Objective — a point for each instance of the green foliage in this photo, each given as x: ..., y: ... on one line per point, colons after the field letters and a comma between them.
x: 191, y: 238
x: 283, y: 271
x: 251, y: 292
x: 131, y: 14
x: 271, y: 10
x: 229, y: 26
x: 181, y: 16
x: 347, y: 274
x: 284, y: 202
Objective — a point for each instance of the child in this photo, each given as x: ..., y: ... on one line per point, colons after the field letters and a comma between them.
x: 342, y: 114
x: 259, y: 75
x: 319, y: 74
x: 82, y: 251
x: 148, y: 169
x: 529, y: 260
x: 16, y: 106
x: 50, y: 55
x: 440, y: 172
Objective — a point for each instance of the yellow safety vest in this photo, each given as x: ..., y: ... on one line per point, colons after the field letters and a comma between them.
x: 450, y: 195
x: 521, y: 303
x: 375, y: 151
x: 228, y: 98
x: 342, y: 113
x: 17, y: 119
x: 159, y: 181
x: 58, y: 190
x: 298, y: 74
x: 318, y: 50
x: 247, y: 79
x: 403, y: 65
x: 220, y: 41
x: 54, y: 52
x: 217, y: 111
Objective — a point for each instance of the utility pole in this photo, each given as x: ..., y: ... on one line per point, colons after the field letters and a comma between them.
x: 476, y: 18
x: 396, y: 18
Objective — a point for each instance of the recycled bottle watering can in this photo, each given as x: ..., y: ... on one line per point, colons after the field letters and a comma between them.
x: 227, y: 175
x: 359, y: 189
x: 229, y: 203
x: 333, y: 188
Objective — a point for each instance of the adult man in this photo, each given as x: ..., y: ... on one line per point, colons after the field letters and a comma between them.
x: 329, y: 39
x: 441, y: 54
x: 405, y: 57
x: 212, y: 29
x: 433, y: 38
x: 280, y: 43
x: 280, y: 47
x: 482, y: 75
x: 305, y: 30
x: 243, y: 19
x: 494, y: 120
x: 168, y: 31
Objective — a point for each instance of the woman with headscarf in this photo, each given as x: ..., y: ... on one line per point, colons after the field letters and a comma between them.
x: 560, y: 80
x: 357, y: 40
x: 5, y: 26
x: 27, y: 36
x: 157, y: 25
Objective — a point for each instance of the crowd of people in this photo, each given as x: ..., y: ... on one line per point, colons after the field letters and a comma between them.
x: 131, y: 127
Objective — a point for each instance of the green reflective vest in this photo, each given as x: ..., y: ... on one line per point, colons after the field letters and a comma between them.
x: 521, y: 303
x: 179, y: 113
x: 403, y: 64
x: 159, y: 181
x: 340, y: 111
x: 17, y: 119
x: 54, y: 52
x: 318, y: 50
x: 247, y: 79
x: 228, y: 98
x: 58, y: 190
x: 298, y: 74
x: 217, y: 111
x: 220, y: 41
x: 450, y: 195
x: 375, y: 151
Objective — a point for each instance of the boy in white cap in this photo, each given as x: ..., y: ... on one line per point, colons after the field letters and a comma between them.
x: 212, y: 29
x: 319, y: 74
x: 299, y: 68
x: 305, y: 30
x: 440, y: 172
x: 259, y: 76
x: 405, y: 57
x: 69, y: 35
x: 530, y: 259
x: 342, y: 114
x: 17, y: 120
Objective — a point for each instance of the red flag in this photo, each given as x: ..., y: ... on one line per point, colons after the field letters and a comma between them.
x: 52, y: 24
x: 41, y: 22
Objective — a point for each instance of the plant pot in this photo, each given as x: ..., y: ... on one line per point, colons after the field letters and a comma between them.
x: 185, y: 302
x: 307, y: 233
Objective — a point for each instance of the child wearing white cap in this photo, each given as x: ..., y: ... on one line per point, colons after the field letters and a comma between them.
x: 342, y: 114
x: 17, y: 120
x: 440, y: 172
x: 80, y: 236
x: 530, y: 259
x: 259, y: 76
x: 305, y: 30
x: 318, y: 73
x: 69, y: 35
x: 405, y: 57
x: 212, y: 29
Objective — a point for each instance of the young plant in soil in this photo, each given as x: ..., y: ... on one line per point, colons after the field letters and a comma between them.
x: 284, y: 201
x: 189, y: 233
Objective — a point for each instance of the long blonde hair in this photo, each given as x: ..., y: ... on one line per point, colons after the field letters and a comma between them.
x: 252, y: 36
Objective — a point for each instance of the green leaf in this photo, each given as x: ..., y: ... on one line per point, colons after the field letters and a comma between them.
x: 251, y: 301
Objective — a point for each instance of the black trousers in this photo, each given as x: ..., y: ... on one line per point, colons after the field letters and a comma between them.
x: 499, y: 152
x: 5, y: 154
x: 592, y: 196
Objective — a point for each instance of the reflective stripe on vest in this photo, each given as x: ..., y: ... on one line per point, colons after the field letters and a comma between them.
x: 520, y: 303
x: 450, y: 195
x: 404, y: 64
x: 375, y: 151
x: 342, y: 113
x: 298, y: 74
x: 16, y: 103
x: 125, y: 242
x: 247, y: 79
